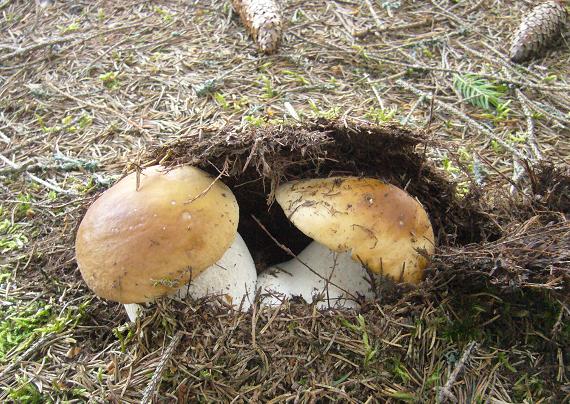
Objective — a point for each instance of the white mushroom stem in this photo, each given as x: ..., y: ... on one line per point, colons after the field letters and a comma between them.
x: 234, y: 276
x: 133, y: 311
x: 336, y: 279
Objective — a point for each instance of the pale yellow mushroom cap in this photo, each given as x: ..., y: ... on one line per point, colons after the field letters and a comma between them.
x: 382, y: 225
x: 135, y: 245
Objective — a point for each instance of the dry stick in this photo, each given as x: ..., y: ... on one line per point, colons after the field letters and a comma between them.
x: 414, y: 107
x: 27, y: 166
x: 4, y: 138
x: 5, y: 4
x: 508, y: 69
x: 518, y: 169
x: 49, y: 42
x: 451, y: 16
x: 513, y: 67
x: 58, y: 40
x: 501, y: 61
x: 46, y: 184
x: 510, y: 79
x: 50, y: 186
x: 531, y: 138
x: 379, y: 59
x: 157, y: 376
x: 540, y: 109
x: 102, y: 107
x: 461, y: 115
x: 518, y: 174
x: 417, y: 24
x: 262, y: 355
x: 483, y: 75
x: 374, y: 15
x: 445, y: 392
x: 530, y: 126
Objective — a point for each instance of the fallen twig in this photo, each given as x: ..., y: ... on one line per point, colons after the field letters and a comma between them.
x: 540, y: 109
x: 445, y: 392
x: 531, y: 138
x: 46, y: 184
x: 461, y: 115
x: 5, y: 4
x: 421, y: 67
x: 374, y: 15
x: 157, y: 376
x: 101, y: 107
x: 55, y: 41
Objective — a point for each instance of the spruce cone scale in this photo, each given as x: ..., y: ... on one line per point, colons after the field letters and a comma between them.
x: 263, y: 20
x: 538, y: 30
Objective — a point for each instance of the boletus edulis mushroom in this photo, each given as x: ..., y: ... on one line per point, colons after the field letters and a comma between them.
x: 380, y: 226
x: 158, y: 232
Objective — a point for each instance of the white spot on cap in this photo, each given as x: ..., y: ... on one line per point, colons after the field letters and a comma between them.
x: 186, y: 215
x: 173, y: 202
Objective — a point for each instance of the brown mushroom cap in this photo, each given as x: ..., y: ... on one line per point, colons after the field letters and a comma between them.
x: 135, y: 245
x: 382, y: 225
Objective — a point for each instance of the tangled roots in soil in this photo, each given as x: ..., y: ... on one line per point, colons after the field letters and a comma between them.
x: 551, y: 187
x: 533, y: 254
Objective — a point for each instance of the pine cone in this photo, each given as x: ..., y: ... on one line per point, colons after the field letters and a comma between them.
x: 263, y: 20
x: 538, y: 30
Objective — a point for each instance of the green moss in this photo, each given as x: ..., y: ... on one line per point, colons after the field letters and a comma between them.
x: 25, y: 392
x: 11, y: 237
x: 19, y: 324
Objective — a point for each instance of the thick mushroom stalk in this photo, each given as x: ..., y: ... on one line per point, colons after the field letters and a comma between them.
x: 318, y: 274
x: 233, y: 277
x: 379, y: 225
x: 151, y: 233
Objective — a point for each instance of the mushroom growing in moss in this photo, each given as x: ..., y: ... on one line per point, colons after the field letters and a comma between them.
x: 153, y: 233
x: 381, y: 227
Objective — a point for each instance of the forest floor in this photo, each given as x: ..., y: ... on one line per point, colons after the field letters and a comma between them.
x: 89, y: 91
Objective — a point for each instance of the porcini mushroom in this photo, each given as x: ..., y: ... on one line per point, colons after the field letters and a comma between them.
x: 380, y: 226
x: 154, y: 232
